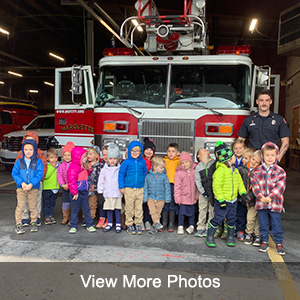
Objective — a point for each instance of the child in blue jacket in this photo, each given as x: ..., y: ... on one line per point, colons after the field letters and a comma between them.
x: 27, y: 173
x: 157, y: 191
x: 131, y: 184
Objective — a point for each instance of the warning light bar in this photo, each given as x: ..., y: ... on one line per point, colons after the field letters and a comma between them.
x: 245, y: 50
x: 222, y: 129
x: 118, y: 51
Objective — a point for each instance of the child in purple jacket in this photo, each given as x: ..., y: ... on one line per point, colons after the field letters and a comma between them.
x: 77, y: 175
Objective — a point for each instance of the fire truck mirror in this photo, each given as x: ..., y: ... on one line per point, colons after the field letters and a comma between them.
x: 76, y: 80
x: 263, y: 76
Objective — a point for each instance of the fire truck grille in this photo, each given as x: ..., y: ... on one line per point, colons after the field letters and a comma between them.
x: 15, y: 143
x: 164, y: 132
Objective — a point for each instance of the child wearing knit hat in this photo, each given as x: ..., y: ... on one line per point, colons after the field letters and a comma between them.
x: 63, y: 181
x: 108, y: 186
x: 185, y: 192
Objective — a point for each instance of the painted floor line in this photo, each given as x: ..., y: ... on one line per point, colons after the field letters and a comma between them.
x: 5, y: 184
x: 282, y: 273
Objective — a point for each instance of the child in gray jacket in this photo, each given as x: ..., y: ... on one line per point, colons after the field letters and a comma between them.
x: 157, y: 191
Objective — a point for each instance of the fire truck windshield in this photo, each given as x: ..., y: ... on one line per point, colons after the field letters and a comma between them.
x: 175, y: 86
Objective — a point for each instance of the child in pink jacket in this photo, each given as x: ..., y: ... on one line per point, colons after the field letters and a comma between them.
x: 77, y: 175
x: 185, y: 192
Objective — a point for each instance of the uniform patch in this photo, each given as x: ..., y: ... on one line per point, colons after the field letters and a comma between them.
x: 284, y: 120
x: 273, y: 122
x: 252, y: 123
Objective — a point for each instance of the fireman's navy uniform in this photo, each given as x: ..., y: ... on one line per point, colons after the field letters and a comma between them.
x: 264, y: 129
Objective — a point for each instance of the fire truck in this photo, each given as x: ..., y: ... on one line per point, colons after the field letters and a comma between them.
x: 174, y: 92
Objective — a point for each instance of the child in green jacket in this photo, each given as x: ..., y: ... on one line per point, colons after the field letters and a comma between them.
x: 227, y: 185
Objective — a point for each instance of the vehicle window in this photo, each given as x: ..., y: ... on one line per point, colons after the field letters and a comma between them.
x: 5, y: 118
x: 42, y: 123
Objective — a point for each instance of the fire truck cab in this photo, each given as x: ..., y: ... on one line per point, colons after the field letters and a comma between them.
x: 177, y: 93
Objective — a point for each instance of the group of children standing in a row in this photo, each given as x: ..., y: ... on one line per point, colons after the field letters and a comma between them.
x: 233, y: 195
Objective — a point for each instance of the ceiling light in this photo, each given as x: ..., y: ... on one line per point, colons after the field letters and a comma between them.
x: 253, y: 25
x: 136, y: 23
x: 2, y: 82
x: 4, y: 31
x: 15, y: 74
x: 48, y: 83
x: 33, y: 91
x: 56, y: 56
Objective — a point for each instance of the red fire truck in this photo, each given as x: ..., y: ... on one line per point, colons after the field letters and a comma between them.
x: 176, y: 92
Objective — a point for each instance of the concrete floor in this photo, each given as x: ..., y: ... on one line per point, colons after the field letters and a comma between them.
x: 160, y: 253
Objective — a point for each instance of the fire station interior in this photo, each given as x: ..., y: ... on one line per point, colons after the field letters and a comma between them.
x: 31, y: 30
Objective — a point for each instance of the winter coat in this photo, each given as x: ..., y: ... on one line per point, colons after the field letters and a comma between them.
x: 185, y: 190
x: 203, y: 178
x: 171, y: 165
x: 245, y: 173
x: 148, y: 163
x: 33, y: 174
x: 157, y: 187
x: 269, y: 182
x: 40, y: 153
x: 108, y: 182
x: 93, y: 178
x: 133, y: 171
x: 77, y: 175
x: 227, y: 184
x: 62, y: 172
x: 50, y: 181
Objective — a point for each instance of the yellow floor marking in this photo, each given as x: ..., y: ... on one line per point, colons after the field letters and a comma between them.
x: 282, y: 273
x: 5, y: 184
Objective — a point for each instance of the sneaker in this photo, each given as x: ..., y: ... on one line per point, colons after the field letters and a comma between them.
x: 190, y: 229
x: 257, y: 241
x: 47, y: 221
x: 143, y: 226
x: 73, y: 230
x: 100, y: 223
x: 201, y: 233
x: 107, y: 228
x: 279, y: 249
x: 91, y: 229
x: 157, y: 225
x: 138, y: 229
x: 264, y: 247
x: 153, y: 230
x: 148, y: 225
x: 25, y: 222
x: 248, y: 239
x: 131, y: 229
x: 38, y: 222
x: 118, y: 229
x: 33, y: 227
x: 52, y: 220
x: 104, y: 224
x: 240, y: 236
x: 83, y: 224
x: 19, y: 229
x: 180, y: 230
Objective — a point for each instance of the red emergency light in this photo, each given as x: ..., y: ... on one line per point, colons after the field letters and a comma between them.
x: 118, y: 51
x: 244, y: 49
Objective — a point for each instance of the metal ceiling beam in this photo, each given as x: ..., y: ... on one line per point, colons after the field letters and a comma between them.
x: 18, y: 59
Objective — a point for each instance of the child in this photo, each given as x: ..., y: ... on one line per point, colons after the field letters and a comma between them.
x: 241, y: 212
x: 156, y: 191
x: 238, y: 148
x: 169, y: 210
x: 268, y: 184
x: 131, y: 183
x: 227, y: 185
x: 102, y: 223
x: 93, y: 155
x: 148, y: 155
x: 27, y: 173
x: 50, y: 187
x: 109, y: 187
x: 77, y: 176
x: 203, y: 179
x: 40, y: 154
x: 185, y: 192
x: 63, y: 181
x: 252, y: 229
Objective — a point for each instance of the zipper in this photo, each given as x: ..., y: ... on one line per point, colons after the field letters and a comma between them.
x: 135, y: 174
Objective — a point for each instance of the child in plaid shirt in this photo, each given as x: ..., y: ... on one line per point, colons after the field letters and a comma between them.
x: 268, y: 184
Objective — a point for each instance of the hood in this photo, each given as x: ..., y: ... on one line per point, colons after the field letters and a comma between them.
x: 76, y: 155
x: 35, y: 148
x: 132, y: 145
x: 32, y: 134
x: 174, y: 158
x: 269, y: 144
